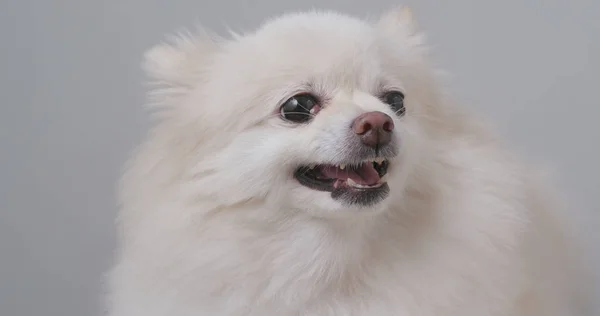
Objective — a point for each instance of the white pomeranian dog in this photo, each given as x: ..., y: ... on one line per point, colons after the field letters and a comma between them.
x: 315, y: 167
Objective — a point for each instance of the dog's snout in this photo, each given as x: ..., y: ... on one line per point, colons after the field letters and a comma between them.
x: 374, y: 128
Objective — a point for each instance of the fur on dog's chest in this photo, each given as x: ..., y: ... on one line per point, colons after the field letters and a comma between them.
x: 320, y: 275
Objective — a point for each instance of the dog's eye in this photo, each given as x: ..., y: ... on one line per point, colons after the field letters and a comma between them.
x: 299, y: 108
x: 396, y: 101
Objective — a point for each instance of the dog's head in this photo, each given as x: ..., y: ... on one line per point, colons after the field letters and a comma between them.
x: 317, y: 112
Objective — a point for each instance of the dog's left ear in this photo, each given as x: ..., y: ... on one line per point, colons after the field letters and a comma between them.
x: 178, y: 61
x: 398, y: 19
x: 175, y: 67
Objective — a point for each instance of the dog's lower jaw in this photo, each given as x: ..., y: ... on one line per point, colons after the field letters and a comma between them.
x: 321, y: 205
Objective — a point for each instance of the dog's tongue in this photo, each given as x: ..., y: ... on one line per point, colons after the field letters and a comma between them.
x: 365, y: 174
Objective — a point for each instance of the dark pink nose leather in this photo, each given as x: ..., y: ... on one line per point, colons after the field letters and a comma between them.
x: 374, y: 128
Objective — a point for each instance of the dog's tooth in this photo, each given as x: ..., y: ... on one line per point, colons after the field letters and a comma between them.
x: 342, y: 166
x: 379, y: 160
x: 351, y: 182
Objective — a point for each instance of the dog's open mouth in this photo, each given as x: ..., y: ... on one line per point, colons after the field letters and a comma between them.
x: 363, y: 183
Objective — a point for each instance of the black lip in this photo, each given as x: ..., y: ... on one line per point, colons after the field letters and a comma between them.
x: 307, y: 178
x: 361, y: 197
x: 347, y: 195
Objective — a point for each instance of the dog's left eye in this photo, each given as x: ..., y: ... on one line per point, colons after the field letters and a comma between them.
x: 300, y: 108
x: 396, y: 101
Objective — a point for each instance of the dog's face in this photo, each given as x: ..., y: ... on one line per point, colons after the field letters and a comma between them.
x: 313, y: 112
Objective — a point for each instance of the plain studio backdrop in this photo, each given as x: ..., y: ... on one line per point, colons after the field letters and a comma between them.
x: 72, y: 109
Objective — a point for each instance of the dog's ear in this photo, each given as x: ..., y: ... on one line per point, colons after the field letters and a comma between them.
x: 179, y: 60
x: 399, y: 24
x: 177, y: 66
x: 398, y: 19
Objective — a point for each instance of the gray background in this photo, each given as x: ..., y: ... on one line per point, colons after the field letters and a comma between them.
x: 71, y: 92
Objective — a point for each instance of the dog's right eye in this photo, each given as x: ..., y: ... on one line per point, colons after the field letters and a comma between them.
x: 300, y: 108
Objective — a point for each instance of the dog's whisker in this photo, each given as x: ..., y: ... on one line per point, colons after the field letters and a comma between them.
x: 302, y: 106
x: 279, y: 115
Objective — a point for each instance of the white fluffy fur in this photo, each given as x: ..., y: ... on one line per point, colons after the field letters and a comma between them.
x: 212, y: 223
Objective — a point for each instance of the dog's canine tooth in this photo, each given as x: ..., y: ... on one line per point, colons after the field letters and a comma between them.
x: 383, y: 179
x: 379, y: 160
x: 342, y: 166
x: 351, y: 182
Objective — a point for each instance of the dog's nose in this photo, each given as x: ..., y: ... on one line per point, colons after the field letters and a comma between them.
x: 374, y: 128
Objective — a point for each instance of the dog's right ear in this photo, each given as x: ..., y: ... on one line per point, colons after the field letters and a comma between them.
x: 399, y: 18
x: 180, y: 60
x: 399, y: 23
